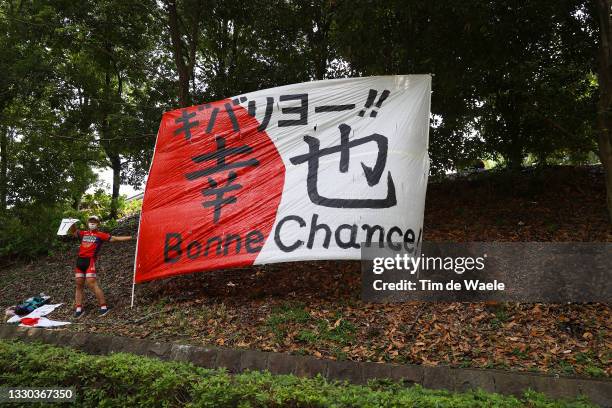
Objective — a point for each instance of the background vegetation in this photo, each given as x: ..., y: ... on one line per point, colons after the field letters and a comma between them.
x: 84, y: 83
x: 127, y: 380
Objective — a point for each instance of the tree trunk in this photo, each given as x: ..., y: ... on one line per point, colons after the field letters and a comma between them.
x: 514, y: 161
x: 605, y: 152
x: 323, y: 14
x: 177, y: 51
x: 319, y: 39
x: 76, y: 203
x: 111, y: 152
x: 3, y: 167
x: 115, y: 162
x: 604, y: 120
x: 116, y: 166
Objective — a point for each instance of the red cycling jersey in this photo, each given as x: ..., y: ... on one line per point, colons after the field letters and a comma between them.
x: 91, y: 242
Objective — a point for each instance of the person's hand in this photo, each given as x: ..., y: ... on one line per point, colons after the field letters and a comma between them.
x: 73, y: 229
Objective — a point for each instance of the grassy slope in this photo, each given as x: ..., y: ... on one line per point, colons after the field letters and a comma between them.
x: 314, y: 308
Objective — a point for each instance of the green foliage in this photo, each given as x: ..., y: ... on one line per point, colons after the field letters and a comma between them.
x: 29, y: 231
x: 595, y: 371
x: 84, y: 83
x: 286, y: 314
x: 131, y: 208
x: 99, y: 203
x: 81, y: 93
x: 125, y: 380
x: 534, y: 94
x: 337, y: 334
x: 290, y: 312
x: 340, y: 334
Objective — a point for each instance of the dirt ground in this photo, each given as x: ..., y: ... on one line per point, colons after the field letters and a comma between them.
x: 315, y: 308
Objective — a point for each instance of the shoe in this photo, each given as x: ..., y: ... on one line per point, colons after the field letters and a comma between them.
x: 78, y: 314
x: 104, y: 312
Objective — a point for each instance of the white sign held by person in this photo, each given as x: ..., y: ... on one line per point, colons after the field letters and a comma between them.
x: 65, y: 225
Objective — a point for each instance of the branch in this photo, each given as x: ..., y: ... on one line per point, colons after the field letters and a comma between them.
x: 554, y: 124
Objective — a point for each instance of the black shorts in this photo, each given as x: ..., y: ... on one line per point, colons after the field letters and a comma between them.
x: 85, y: 268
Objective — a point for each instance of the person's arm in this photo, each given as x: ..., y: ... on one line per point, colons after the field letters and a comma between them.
x: 74, y: 231
x: 120, y: 238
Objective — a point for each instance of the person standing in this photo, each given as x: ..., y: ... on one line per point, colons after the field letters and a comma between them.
x: 85, y: 271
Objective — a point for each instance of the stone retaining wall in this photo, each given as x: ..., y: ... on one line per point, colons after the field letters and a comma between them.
x: 598, y: 391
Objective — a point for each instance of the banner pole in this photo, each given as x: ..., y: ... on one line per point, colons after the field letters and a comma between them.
x: 136, y: 259
x: 139, y: 222
x: 133, y: 290
x: 136, y: 252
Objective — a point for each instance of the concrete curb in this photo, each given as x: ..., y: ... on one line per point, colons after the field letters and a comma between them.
x: 453, y: 379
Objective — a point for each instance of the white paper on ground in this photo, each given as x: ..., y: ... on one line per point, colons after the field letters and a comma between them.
x: 41, y: 311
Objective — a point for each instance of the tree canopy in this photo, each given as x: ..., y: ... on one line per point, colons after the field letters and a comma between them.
x: 84, y: 83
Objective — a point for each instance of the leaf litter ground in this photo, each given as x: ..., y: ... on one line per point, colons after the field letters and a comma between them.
x: 314, y: 308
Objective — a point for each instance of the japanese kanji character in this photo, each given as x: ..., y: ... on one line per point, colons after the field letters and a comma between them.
x: 218, y: 193
x: 219, y: 156
x: 372, y: 175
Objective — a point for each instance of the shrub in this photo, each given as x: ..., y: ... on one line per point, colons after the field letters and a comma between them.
x: 29, y: 231
x: 99, y: 203
x: 122, y: 380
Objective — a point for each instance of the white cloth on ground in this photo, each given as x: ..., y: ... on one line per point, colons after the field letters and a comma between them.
x: 43, y: 322
x: 40, y: 312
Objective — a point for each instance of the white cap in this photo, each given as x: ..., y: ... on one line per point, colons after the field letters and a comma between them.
x: 93, y: 217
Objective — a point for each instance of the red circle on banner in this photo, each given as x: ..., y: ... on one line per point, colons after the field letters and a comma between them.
x: 212, y: 194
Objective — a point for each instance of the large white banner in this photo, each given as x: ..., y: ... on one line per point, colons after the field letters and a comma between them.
x: 300, y: 172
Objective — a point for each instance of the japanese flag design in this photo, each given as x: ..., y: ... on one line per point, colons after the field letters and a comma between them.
x: 300, y: 172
